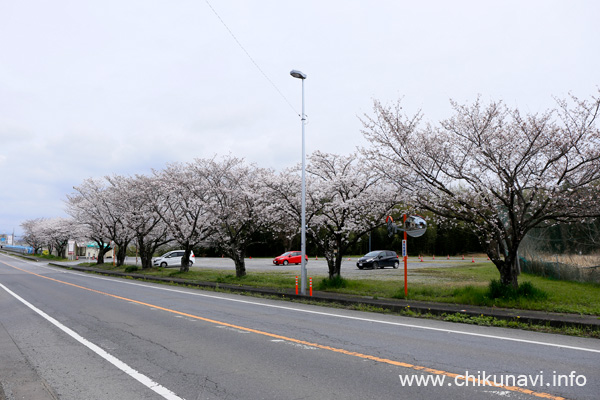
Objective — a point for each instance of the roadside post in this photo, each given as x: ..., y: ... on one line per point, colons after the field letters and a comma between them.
x: 414, y: 226
x: 405, y: 257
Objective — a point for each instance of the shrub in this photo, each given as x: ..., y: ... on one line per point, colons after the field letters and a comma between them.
x: 334, y: 283
x: 527, y: 290
x: 469, y: 295
x: 131, y: 268
x: 496, y: 290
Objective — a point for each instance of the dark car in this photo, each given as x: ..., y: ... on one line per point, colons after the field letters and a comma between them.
x: 378, y: 259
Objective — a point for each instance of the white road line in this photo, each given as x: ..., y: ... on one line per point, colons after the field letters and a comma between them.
x: 495, y: 337
x: 143, y: 379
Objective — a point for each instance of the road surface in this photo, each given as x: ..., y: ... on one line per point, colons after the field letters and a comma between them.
x: 69, y: 335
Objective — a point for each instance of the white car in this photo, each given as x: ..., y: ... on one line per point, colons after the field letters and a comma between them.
x: 172, y: 259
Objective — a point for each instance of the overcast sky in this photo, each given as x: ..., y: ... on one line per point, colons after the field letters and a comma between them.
x: 99, y: 87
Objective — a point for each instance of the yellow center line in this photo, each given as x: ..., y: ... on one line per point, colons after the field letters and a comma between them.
x: 475, y: 381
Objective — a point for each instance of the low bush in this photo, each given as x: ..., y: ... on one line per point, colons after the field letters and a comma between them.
x: 335, y: 283
x: 526, y: 290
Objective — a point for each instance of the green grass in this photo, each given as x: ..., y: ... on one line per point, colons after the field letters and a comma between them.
x: 462, y: 285
x: 48, y: 257
x: 275, y: 280
x: 470, y: 285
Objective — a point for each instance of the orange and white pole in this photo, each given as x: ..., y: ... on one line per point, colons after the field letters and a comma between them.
x: 405, y: 261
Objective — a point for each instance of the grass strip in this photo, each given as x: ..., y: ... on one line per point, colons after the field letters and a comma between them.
x: 460, y: 285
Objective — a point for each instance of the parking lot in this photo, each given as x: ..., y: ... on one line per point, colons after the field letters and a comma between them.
x: 317, y: 267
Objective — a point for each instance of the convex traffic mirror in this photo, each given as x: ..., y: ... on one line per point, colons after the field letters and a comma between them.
x: 414, y: 226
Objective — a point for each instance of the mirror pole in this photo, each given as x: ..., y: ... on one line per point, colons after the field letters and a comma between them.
x: 405, y: 262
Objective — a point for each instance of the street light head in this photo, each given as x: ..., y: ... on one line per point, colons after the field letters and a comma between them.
x: 297, y: 74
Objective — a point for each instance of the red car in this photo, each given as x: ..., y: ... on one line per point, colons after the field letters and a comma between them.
x: 291, y: 257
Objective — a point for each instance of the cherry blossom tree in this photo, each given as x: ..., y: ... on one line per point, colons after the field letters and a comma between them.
x: 138, y: 196
x: 284, y: 189
x: 100, y: 205
x: 238, y: 204
x: 499, y: 171
x: 33, y: 235
x: 57, y: 232
x: 182, y: 200
x: 88, y: 206
x: 54, y: 233
x: 116, y: 215
x: 345, y: 200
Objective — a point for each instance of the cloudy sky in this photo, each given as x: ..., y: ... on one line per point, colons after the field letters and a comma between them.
x: 99, y: 87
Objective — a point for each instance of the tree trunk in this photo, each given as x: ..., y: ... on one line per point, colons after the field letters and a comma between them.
x: 121, y: 254
x: 185, y: 260
x: 101, y: 252
x: 508, y: 272
x: 505, y: 260
x: 145, y: 251
x: 146, y: 256
x: 100, y: 259
x: 240, y: 262
x: 331, y: 266
x: 335, y: 267
x: 60, y: 250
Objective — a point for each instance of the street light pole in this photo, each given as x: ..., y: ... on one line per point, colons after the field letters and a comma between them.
x: 302, y: 76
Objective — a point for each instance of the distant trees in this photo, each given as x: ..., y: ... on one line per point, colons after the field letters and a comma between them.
x: 498, y: 171
x: 87, y: 207
x: 103, y: 208
x: 33, y: 235
x: 53, y: 233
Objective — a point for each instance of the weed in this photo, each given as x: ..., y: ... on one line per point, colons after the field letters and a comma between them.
x: 469, y: 285
x: 369, y: 308
x: 470, y: 295
x: 334, y: 283
x: 526, y: 290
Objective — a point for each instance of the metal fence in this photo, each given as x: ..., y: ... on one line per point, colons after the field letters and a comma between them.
x: 561, y: 253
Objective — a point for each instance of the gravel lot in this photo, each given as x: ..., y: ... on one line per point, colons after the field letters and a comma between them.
x: 318, y: 267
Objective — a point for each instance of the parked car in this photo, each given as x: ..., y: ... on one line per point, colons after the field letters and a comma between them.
x: 291, y: 257
x: 172, y: 259
x: 379, y: 259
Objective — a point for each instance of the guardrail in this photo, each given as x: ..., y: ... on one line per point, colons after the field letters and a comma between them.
x: 18, y: 249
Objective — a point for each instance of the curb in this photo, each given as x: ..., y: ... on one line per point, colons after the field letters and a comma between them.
x: 557, y: 320
x: 17, y: 254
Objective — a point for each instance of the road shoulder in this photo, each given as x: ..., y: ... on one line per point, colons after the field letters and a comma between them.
x: 18, y: 378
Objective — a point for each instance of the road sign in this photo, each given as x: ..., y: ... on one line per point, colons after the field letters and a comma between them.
x: 404, y: 248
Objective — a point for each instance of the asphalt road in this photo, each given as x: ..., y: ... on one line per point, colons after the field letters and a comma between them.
x: 68, y: 335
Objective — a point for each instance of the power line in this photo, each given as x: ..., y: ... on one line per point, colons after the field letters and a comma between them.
x: 251, y: 59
